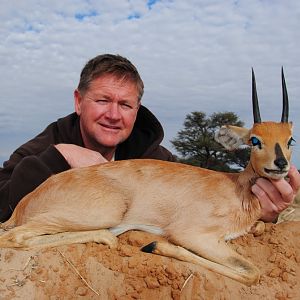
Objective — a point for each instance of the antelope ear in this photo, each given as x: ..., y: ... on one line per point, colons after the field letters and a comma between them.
x: 232, y: 137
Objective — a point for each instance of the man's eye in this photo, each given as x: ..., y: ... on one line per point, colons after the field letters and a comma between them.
x: 101, y: 101
x: 291, y: 142
x: 126, y: 106
x: 255, y: 142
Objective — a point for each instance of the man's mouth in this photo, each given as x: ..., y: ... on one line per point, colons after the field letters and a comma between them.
x: 110, y: 127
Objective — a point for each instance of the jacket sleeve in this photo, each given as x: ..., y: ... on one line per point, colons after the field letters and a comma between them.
x: 23, y: 172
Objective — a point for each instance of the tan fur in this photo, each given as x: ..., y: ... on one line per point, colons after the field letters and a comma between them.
x: 270, y: 133
x: 194, y: 208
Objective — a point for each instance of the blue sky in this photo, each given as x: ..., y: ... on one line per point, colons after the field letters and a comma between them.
x: 193, y: 55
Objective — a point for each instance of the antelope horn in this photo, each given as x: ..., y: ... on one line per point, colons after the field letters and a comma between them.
x: 285, y: 100
x: 256, y: 114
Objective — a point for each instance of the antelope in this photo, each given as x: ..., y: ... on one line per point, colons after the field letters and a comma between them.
x: 196, y: 210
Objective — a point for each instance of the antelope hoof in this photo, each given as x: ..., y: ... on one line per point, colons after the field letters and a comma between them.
x: 150, y: 248
x: 258, y: 228
x: 109, y: 240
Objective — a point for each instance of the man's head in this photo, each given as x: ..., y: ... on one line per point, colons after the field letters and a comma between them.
x: 107, y: 100
x: 111, y: 64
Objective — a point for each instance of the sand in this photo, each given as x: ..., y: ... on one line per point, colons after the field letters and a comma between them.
x: 93, y: 271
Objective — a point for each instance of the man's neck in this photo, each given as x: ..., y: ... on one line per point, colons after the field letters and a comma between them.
x: 109, y: 155
x: 107, y: 152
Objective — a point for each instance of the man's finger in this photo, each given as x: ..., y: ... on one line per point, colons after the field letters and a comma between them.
x: 271, y: 190
x: 265, y: 202
x: 285, y: 189
x: 294, y: 177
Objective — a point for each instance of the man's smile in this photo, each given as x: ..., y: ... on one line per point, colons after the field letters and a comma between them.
x: 110, y: 127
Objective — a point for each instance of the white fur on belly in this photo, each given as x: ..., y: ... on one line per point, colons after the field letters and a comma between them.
x: 126, y: 227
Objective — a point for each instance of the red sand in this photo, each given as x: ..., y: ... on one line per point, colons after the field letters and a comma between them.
x: 92, y: 271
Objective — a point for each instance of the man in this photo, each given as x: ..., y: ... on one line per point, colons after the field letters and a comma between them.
x: 109, y: 123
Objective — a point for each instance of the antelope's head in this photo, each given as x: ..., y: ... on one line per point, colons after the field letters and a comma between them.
x: 271, y: 142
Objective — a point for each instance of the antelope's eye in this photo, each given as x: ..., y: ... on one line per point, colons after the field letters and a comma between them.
x: 255, y: 142
x: 291, y: 142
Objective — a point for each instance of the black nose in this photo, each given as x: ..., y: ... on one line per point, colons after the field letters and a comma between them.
x: 281, y: 163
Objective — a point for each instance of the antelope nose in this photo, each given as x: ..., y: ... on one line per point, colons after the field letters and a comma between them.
x: 281, y: 163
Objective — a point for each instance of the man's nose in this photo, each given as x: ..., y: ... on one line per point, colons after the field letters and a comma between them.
x: 113, y: 111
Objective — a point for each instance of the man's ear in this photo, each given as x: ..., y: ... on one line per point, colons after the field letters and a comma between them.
x: 232, y: 137
x: 77, y: 101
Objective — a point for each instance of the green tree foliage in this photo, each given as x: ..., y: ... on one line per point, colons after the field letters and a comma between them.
x: 196, y: 144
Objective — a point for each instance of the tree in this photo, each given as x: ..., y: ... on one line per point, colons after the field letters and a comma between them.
x: 197, y: 146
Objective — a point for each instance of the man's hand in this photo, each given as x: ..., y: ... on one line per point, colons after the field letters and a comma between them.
x: 77, y: 156
x: 276, y: 195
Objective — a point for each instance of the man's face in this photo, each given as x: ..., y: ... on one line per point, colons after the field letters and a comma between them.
x: 107, y: 111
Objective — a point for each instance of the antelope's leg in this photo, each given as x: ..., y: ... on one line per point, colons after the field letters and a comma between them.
x: 30, y: 235
x: 216, y: 256
x: 101, y: 236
